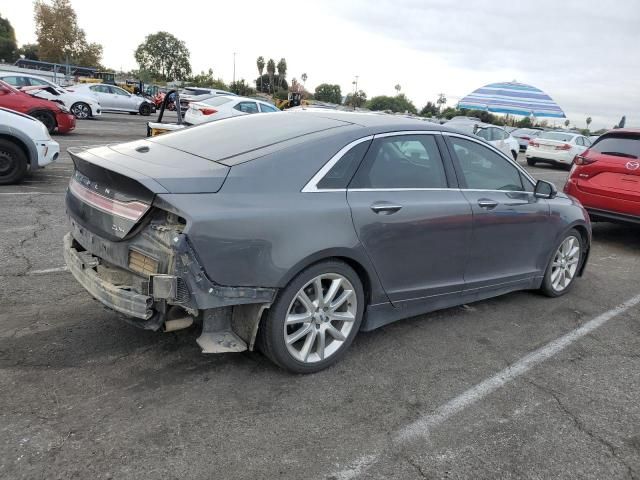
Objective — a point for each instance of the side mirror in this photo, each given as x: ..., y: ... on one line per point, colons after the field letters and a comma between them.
x: 545, y: 189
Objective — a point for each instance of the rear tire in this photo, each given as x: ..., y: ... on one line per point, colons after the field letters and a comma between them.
x: 531, y: 162
x: 13, y: 162
x: 47, y: 118
x: 515, y: 155
x: 564, y: 265
x: 304, y: 332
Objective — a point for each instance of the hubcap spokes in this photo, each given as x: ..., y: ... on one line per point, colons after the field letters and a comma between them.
x: 565, y: 264
x: 81, y: 111
x: 320, y: 318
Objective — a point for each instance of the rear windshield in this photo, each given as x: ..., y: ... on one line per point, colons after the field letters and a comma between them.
x: 220, y: 140
x: 216, y: 101
x: 627, y: 146
x: 559, y: 136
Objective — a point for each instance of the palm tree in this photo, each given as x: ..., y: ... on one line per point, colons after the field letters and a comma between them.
x: 304, y: 79
x: 442, y: 99
x: 260, y: 64
x: 566, y: 123
x: 588, y: 122
x: 398, y: 88
x: 282, y: 71
x: 271, y: 70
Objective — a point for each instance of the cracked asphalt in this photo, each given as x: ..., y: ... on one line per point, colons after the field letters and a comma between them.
x: 84, y: 395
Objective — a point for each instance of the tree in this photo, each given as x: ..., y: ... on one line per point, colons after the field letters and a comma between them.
x: 8, y: 45
x: 398, y: 88
x: 442, y: 100
x: 429, y: 110
x: 29, y: 51
x: 588, y: 122
x: 399, y: 103
x: 164, y: 56
x: 326, y: 92
x: 242, y: 88
x: 282, y: 70
x: 356, y: 99
x: 59, y: 37
x: 524, y: 122
x: 566, y: 123
x: 304, y: 78
x: 271, y: 71
x: 268, y: 83
x: 260, y: 65
x: 206, y: 80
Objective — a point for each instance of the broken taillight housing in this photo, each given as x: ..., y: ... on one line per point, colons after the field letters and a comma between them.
x: 133, y: 210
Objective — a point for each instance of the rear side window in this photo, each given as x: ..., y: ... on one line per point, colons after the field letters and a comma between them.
x: 247, y: 107
x: 341, y: 173
x: 627, y: 146
x: 268, y: 108
x: 403, y: 161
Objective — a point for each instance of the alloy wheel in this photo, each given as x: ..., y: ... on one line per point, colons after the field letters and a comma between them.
x: 565, y: 263
x: 320, y: 318
x: 81, y: 111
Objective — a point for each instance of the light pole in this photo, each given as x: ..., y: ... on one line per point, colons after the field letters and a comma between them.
x: 234, y: 68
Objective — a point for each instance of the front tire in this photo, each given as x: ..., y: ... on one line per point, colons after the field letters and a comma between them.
x: 47, y: 118
x: 564, y: 265
x: 515, y: 155
x: 314, y: 319
x: 81, y: 110
x: 145, y: 110
x: 13, y: 162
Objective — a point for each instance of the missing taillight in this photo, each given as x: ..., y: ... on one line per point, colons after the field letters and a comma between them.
x: 133, y: 210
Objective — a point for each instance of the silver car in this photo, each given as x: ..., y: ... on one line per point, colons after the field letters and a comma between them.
x: 294, y: 232
x: 116, y: 99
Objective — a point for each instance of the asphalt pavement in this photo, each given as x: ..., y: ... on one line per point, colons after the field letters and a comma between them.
x: 520, y: 386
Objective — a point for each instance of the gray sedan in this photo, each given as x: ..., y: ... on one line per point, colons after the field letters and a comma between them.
x: 294, y: 231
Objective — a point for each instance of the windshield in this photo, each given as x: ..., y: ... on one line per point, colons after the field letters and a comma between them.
x: 558, y: 136
x: 627, y: 146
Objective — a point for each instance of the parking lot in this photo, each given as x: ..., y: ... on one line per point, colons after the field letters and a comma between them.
x: 85, y: 395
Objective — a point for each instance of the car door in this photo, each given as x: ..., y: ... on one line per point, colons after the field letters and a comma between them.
x: 411, y: 218
x: 245, y: 108
x: 105, y: 97
x: 122, y: 99
x: 512, y: 231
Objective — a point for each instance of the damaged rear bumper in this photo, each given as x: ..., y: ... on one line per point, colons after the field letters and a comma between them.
x: 121, y: 299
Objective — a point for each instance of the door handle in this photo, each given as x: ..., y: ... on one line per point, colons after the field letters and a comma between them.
x: 487, y: 203
x: 385, y: 208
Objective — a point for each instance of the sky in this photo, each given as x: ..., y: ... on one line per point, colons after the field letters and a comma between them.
x: 584, y: 53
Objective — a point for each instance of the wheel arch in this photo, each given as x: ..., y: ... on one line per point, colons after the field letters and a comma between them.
x: 25, y: 144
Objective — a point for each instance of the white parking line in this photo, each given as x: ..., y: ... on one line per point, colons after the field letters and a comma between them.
x: 423, y: 426
x: 48, y: 270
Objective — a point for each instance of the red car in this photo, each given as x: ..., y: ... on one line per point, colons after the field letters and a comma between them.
x: 53, y: 115
x: 606, y: 177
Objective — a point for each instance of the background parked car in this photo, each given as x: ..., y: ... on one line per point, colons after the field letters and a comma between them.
x: 524, y: 135
x: 496, y: 136
x: 81, y: 105
x: 223, y: 106
x: 116, y: 99
x: 54, y: 116
x: 24, y: 144
x: 556, y: 147
x: 606, y: 178
x: 195, y: 94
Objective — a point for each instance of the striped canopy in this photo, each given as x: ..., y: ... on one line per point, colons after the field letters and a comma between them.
x: 514, y: 98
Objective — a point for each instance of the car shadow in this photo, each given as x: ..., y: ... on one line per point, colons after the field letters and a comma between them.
x: 618, y: 235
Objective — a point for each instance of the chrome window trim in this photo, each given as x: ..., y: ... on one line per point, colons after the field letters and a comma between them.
x: 503, y: 155
x: 401, y: 189
x: 312, y: 185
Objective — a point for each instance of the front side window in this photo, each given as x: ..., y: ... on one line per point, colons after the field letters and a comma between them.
x: 247, y: 107
x: 403, y: 161
x: 119, y: 91
x: 36, y: 82
x: 16, y: 81
x: 483, y: 169
x: 100, y: 89
x: 268, y: 108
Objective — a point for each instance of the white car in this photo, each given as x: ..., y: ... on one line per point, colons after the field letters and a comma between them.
x: 81, y: 105
x: 556, y: 148
x: 496, y: 136
x: 25, y: 145
x: 223, y: 106
x: 116, y: 99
